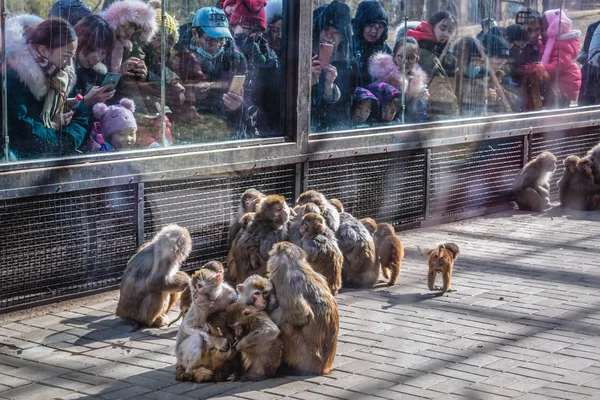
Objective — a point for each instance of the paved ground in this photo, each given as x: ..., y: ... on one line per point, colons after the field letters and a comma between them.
x: 524, y: 323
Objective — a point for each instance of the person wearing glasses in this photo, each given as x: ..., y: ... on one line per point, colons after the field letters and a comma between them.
x: 370, y: 28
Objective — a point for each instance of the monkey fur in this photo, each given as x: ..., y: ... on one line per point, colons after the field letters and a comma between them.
x: 530, y: 188
x: 328, y: 211
x: 186, y: 296
x: 248, y: 203
x: 307, y: 315
x: 594, y: 155
x: 152, y: 282
x: 582, y: 192
x: 356, y: 243
x: 338, y: 205
x: 244, y: 223
x: 257, y: 291
x: 570, y: 164
x: 389, y: 251
x: 323, y: 253
x: 294, y: 226
x: 257, y: 340
x: 251, y: 250
x: 441, y: 261
x: 370, y: 224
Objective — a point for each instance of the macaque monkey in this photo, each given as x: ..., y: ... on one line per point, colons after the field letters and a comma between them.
x: 307, y: 315
x: 594, y: 155
x: 583, y: 193
x: 356, y: 243
x: 257, y: 339
x: 328, y: 211
x: 531, y: 188
x: 390, y: 252
x: 570, y: 164
x: 251, y: 250
x: 257, y: 291
x: 441, y: 261
x: 323, y: 253
x: 338, y: 205
x: 248, y: 203
x: 186, y: 296
x: 209, y: 295
x: 244, y: 223
x: 370, y: 224
x: 294, y: 228
x: 152, y: 282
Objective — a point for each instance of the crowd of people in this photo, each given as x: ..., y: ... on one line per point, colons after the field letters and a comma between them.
x: 81, y: 82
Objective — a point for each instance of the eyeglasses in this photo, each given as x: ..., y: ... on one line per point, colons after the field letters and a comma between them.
x: 214, y: 42
x: 377, y: 26
x: 411, y: 58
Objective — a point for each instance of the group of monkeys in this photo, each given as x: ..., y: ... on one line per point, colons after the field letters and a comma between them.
x: 578, y: 188
x: 274, y: 305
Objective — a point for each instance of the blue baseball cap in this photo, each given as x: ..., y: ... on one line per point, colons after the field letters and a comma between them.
x: 213, y: 21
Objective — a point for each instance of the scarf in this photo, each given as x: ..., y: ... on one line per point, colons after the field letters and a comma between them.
x: 59, y: 82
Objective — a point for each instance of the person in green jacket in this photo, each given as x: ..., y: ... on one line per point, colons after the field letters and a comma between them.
x: 40, y: 74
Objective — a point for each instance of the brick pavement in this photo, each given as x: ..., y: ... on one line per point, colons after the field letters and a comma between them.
x: 524, y: 323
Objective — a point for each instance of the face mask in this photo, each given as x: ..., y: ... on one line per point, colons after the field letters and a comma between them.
x: 209, y: 57
x: 471, y: 71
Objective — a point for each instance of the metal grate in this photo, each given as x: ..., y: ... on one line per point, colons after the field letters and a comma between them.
x: 473, y: 175
x: 563, y: 144
x: 63, y: 244
x: 387, y: 187
x: 206, y: 206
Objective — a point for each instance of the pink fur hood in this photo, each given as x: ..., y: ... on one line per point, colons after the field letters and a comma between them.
x: 383, y: 69
x: 136, y: 11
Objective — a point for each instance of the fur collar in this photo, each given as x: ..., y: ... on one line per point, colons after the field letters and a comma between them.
x: 20, y: 59
x: 383, y: 69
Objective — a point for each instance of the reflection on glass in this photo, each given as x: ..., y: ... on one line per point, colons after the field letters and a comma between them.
x: 88, y: 83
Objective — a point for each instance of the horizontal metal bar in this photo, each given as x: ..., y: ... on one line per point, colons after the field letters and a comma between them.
x: 489, y: 209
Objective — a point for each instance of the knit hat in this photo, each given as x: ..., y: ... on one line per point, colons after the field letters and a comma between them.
x: 558, y: 24
x: 516, y: 32
x: 334, y: 14
x: 384, y: 92
x: 250, y: 13
x: 171, y: 25
x: 213, y: 21
x: 361, y: 94
x: 114, y: 119
x: 70, y: 10
x: 226, y: 4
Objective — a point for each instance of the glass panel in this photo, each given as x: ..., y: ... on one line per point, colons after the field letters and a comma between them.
x: 132, y: 77
x: 458, y: 59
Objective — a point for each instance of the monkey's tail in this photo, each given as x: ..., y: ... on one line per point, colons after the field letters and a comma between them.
x: 176, y: 319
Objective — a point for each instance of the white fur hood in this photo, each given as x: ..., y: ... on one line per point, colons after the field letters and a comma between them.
x: 383, y: 69
x: 20, y: 59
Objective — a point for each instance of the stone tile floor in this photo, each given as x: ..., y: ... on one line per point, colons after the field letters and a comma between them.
x: 524, y: 323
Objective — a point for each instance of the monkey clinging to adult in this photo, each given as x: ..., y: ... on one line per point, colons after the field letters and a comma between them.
x: 251, y: 249
x: 294, y: 226
x: 570, y: 164
x: 152, y: 282
x: 390, y: 252
x: 248, y: 203
x: 328, y: 210
x: 257, y: 291
x: 323, y: 253
x: 307, y: 315
x: 257, y: 339
x: 531, y: 188
x: 582, y: 192
x: 441, y: 261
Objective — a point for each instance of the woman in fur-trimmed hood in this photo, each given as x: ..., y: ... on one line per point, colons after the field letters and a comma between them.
x: 132, y: 20
x: 40, y: 76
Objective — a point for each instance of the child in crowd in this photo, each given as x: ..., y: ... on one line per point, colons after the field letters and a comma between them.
x: 115, y: 129
x: 391, y: 69
x: 389, y: 101
x: 364, y: 106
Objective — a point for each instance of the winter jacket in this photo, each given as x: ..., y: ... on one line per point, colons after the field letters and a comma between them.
x: 474, y: 101
x: 28, y: 85
x: 590, y: 71
x: 87, y: 78
x: 563, y: 56
x: 587, y: 43
x: 383, y: 69
x: 368, y: 12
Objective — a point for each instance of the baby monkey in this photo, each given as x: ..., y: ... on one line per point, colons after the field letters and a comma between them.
x: 441, y: 261
x: 390, y: 252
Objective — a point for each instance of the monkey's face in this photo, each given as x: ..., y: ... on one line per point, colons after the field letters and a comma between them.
x: 280, y: 212
x: 550, y: 165
x: 441, y: 260
x: 303, y: 228
x: 260, y: 299
x: 248, y: 202
x: 587, y: 168
x: 572, y: 169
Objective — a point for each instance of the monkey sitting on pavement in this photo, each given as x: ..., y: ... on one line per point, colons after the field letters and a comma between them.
x: 570, y: 164
x: 257, y: 291
x: 531, y: 188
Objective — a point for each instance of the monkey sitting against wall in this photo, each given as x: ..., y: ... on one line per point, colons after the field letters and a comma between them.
x: 570, y: 164
x: 248, y: 203
x: 531, y: 188
x: 327, y: 210
x: 582, y: 192
x: 296, y: 221
x: 152, y: 282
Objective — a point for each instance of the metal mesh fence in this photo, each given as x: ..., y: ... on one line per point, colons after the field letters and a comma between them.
x: 63, y: 244
x: 206, y: 207
x: 387, y: 187
x: 563, y: 144
x: 473, y: 175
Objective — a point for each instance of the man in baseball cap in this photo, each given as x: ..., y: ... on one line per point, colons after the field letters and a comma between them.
x: 213, y: 21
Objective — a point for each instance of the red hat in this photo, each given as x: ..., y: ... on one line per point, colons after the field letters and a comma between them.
x: 250, y: 13
x: 227, y: 3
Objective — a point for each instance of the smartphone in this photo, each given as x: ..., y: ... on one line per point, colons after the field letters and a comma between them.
x: 237, y: 83
x: 325, y: 51
x: 111, y: 77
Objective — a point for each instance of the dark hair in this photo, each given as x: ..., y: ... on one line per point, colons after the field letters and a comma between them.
x: 439, y: 17
x: 516, y: 32
x: 274, y: 18
x: 52, y: 33
x: 409, y: 40
x: 94, y: 33
x: 486, y: 23
x: 528, y: 16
